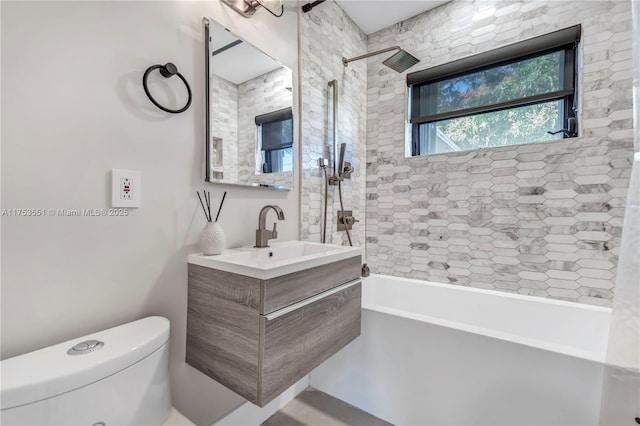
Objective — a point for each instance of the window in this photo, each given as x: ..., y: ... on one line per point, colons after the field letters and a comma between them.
x: 513, y: 95
x: 275, y: 132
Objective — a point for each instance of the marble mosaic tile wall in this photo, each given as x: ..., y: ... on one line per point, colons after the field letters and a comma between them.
x: 541, y: 219
x: 224, y: 123
x: 258, y: 96
x: 328, y: 34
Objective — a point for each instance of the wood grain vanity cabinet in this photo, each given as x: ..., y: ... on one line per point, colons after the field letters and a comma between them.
x: 258, y: 337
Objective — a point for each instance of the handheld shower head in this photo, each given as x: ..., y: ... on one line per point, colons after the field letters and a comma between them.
x: 343, y: 148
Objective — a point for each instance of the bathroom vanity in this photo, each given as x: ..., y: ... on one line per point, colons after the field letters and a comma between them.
x: 259, y: 319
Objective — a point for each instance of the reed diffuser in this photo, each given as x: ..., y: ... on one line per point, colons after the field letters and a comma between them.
x: 212, y: 238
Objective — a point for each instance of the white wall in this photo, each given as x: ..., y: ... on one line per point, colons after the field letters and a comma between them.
x: 73, y: 108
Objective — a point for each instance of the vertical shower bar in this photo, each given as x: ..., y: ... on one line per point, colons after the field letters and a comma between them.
x: 334, y: 85
x: 331, y: 180
x: 336, y: 179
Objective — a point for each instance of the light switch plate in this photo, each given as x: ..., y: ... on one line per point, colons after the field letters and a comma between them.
x: 126, y: 187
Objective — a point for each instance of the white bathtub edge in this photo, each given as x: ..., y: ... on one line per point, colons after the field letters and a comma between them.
x: 499, y: 293
x: 565, y: 350
x: 595, y: 356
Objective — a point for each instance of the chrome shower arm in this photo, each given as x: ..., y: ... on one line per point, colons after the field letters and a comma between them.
x: 346, y: 61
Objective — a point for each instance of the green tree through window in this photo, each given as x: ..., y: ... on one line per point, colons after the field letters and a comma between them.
x: 513, y: 102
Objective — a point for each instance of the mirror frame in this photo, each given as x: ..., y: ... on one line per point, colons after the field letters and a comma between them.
x: 207, y: 132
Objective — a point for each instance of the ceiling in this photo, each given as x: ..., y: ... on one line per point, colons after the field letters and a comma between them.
x: 243, y: 62
x: 374, y: 15
x: 239, y: 63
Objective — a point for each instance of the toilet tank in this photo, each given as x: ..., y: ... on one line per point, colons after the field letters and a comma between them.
x: 118, y: 376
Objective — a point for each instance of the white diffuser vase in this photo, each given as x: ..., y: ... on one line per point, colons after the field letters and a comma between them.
x: 212, y: 239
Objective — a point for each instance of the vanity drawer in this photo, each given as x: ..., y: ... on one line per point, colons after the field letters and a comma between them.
x: 279, y: 292
x: 296, y: 339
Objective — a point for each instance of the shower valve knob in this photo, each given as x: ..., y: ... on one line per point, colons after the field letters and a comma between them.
x: 350, y: 220
x: 345, y: 220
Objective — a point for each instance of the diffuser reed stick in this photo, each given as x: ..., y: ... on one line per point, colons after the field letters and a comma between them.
x: 207, y: 199
x: 207, y: 212
x: 221, y: 203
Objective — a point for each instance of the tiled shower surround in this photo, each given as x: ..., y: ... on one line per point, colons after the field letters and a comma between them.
x: 540, y: 219
x: 328, y: 34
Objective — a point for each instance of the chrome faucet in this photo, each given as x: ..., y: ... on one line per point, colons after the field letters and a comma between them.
x: 263, y: 235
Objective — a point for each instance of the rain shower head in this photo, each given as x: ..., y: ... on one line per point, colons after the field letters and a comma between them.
x: 399, y: 62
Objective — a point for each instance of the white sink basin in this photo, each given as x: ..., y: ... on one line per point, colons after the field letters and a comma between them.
x: 278, y: 259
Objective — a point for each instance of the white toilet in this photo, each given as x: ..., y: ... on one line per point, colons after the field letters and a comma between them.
x: 118, y: 376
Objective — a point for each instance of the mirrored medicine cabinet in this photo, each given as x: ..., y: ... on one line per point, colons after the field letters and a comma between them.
x: 249, y: 113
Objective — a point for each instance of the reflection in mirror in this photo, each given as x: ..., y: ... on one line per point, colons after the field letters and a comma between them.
x: 250, y: 119
x: 275, y: 141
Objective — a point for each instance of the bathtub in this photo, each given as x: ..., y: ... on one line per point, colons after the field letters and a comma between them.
x: 438, y: 354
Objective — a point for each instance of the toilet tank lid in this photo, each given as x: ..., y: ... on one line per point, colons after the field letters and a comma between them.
x: 48, y: 372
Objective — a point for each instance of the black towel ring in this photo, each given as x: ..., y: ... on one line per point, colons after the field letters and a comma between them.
x: 166, y: 71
